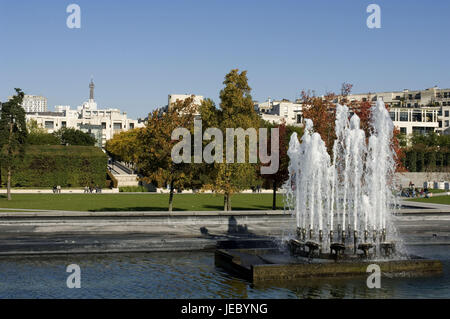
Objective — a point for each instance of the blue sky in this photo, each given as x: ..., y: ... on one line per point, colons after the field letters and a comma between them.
x: 140, y: 51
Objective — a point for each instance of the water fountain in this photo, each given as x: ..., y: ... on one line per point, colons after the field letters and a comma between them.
x: 344, y: 203
x: 342, y: 207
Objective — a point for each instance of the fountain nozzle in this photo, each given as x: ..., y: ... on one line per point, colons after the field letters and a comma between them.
x: 320, y: 235
x: 366, y: 235
x: 299, y: 232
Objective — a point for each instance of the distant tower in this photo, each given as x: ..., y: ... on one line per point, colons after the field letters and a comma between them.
x: 91, y: 89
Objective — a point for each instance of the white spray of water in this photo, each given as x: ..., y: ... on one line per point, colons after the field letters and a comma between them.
x: 351, y: 195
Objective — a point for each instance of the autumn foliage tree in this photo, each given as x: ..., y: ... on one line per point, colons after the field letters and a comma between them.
x: 124, y: 146
x: 154, y: 149
x: 321, y: 110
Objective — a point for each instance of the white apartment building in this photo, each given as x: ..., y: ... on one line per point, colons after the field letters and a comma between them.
x: 102, y: 123
x: 33, y: 103
x: 420, y: 111
x: 277, y: 111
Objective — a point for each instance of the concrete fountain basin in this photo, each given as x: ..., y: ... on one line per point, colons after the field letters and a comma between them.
x: 265, y: 265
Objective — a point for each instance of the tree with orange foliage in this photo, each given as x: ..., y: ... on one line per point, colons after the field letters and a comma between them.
x: 322, y: 111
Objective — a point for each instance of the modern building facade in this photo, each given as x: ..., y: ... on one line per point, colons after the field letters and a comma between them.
x: 278, y: 111
x: 420, y: 111
x: 33, y: 103
x: 101, y: 123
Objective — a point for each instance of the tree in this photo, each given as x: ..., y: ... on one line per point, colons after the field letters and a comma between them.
x: 37, y: 135
x: 236, y: 111
x: 154, y: 147
x: 277, y: 179
x: 13, y: 135
x: 33, y: 127
x: 72, y: 136
x: 321, y: 110
x: 124, y: 146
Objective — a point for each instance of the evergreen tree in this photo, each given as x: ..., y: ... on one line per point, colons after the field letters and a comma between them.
x: 13, y: 135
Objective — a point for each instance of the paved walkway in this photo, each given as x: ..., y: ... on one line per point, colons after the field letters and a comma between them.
x: 63, y: 191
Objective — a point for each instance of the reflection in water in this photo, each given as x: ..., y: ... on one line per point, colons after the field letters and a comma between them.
x: 193, y: 275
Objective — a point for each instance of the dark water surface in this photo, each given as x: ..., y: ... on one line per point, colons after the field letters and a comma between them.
x: 192, y: 275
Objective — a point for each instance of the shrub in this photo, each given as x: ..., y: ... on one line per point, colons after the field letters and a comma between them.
x: 133, y: 189
x: 42, y: 139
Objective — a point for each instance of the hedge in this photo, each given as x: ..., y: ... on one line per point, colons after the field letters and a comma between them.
x: 422, y: 161
x: 67, y: 166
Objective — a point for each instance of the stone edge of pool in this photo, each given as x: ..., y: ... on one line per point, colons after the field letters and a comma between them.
x: 36, y: 232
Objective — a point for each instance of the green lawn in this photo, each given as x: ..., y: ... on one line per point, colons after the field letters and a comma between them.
x: 437, y: 191
x: 435, y: 200
x: 137, y: 202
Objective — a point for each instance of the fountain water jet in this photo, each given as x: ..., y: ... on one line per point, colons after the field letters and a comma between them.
x: 349, y: 196
x: 339, y: 203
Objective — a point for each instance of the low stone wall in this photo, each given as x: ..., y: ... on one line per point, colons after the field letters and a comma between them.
x: 41, y: 232
x: 419, y: 179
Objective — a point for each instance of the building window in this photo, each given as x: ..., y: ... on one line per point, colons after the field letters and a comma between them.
x: 446, y: 113
x: 131, y: 126
x: 403, y: 130
x: 422, y: 130
x: 49, y: 125
x: 446, y: 123
x: 63, y: 124
x: 103, y: 126
x: 404, y: 116
x: 117, y: 126
x: 417, y: 116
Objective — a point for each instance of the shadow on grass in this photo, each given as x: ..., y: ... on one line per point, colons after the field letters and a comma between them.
x: 2, y: 196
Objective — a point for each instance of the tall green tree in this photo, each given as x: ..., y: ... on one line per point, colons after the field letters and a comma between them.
x: 13, y: 135
x: 236, y: 111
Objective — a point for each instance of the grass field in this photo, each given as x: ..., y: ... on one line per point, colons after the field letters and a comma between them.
x: 137, y: 202
x: 435, y: 200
